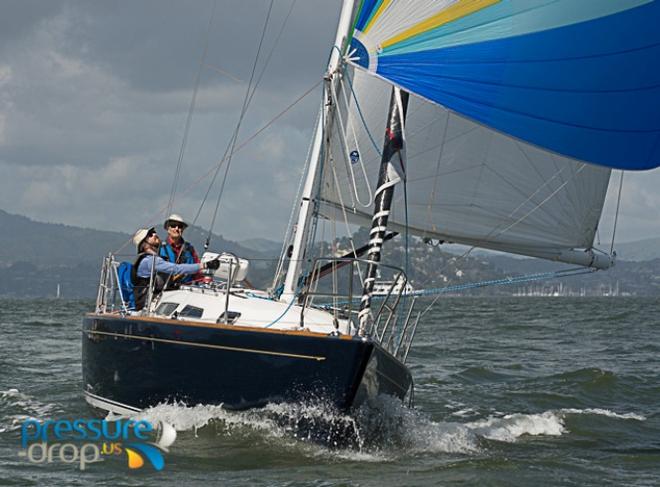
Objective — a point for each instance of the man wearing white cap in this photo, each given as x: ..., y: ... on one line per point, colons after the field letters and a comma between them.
x: 176, y: 249
x: 147, y: 242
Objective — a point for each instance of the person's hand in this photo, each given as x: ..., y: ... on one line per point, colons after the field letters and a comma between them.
x: 213, y: 264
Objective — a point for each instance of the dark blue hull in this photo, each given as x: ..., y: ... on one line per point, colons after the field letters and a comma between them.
x: 137, y: 362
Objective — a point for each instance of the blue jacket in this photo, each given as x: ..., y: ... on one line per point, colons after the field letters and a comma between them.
x: 188, y: 256
x: 144, y: 268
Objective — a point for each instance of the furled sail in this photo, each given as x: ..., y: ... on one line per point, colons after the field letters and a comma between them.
x: 580, y: 78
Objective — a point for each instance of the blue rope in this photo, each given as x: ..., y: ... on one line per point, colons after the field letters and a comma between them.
x: 493, y: 282
x: 293, y: 300
x: 501, y: 282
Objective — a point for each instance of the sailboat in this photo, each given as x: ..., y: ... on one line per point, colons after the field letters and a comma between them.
x: 490, y: 123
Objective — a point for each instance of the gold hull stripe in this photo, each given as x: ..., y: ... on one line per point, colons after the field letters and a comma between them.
x: 215, y: 326
x: 208, y: 345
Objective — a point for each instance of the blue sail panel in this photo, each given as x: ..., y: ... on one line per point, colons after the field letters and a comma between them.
x: 366, y: 10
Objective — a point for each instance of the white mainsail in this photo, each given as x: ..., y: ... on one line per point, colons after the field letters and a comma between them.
x: 465, y: 182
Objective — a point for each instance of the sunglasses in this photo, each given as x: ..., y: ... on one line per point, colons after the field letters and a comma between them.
x: 151, y: 234
x: 176, y: 225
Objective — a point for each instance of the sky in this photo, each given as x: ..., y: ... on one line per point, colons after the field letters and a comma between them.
x: 94, y: 97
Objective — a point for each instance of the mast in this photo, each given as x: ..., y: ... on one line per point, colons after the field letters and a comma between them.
x: 388, y: 176
x: 307, y: 204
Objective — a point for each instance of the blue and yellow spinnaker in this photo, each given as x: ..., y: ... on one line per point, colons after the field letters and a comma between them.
x: 580, y: 78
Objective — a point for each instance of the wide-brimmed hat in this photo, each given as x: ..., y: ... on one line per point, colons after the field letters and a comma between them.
x: 174, y: 218
x: 140, y: 235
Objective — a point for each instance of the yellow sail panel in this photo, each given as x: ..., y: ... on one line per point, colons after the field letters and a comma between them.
x: 382, y: 7
x: 454, y: 12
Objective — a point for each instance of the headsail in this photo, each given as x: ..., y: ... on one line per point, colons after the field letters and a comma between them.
x: 577, y: 78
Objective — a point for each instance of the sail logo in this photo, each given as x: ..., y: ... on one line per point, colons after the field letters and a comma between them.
x: 83, y: 442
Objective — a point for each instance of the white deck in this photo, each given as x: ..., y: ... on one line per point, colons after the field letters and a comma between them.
x: 255, y: 308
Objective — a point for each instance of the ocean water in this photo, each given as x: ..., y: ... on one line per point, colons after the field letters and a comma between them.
x: 515, y: 392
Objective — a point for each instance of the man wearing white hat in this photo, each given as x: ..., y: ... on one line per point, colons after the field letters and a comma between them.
x: 176, y: 249
x: 147, y: 242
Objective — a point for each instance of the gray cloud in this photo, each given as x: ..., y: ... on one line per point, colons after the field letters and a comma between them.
x: 156, y: 45
x: 21, y: 17
x: 94, y: 97
x: 93, y: 100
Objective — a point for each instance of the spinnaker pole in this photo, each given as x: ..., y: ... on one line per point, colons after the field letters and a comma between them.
x: 392, y: 170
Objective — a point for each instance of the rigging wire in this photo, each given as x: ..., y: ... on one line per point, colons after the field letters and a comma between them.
x: 574, y: 271
x: 191, y: 109
x: 311, y: 235
x: 558, y: 274
x: 436, y: 177
x: 345, y: 217
x: 400, y: 318
x: 231, y: 147
x: 359, y: 110
x: 243, y: 144
x: 288, y: 234
x: 238, y: 125
x: 439, y: 291
x: 616, y: 215
x: 347, y: 156
x: 210, y: 186
x: 496, y: 232
x: 272, y: 50
x: 240, y: 146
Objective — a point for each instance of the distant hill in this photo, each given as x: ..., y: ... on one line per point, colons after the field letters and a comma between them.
x: 263, y: 246
x: 647, y: 249
x: 26, y: 240
x: 35, y: 257
x: 197, y: 237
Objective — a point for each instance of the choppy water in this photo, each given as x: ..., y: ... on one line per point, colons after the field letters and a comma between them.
x: 527, y: 391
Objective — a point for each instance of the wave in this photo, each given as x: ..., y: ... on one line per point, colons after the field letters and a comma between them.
x: 586, y: 374
x: 476, y: 375
x: 381, y: 431
x: 604, y: 412
x: 510, y: 427
x: 17, y: 407
x: 42, y: 323
x: 588, y: 378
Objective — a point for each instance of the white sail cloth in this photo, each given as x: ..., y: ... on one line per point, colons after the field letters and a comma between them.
x: 466, y: 183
